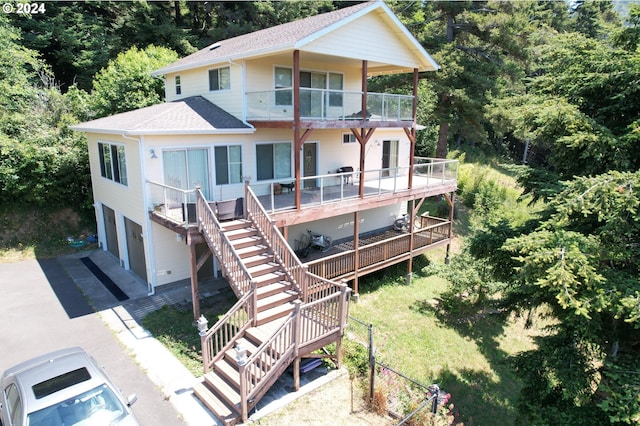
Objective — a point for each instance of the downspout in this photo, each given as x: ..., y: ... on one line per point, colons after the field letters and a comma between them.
x: 243, y: 87
x: 148, y: 235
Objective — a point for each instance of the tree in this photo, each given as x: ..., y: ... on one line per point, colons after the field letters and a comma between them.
x: 582, y: 264
x: 126, y: 83
x: 42, y: 162
x: 581, y: 106
x: 480, y: 46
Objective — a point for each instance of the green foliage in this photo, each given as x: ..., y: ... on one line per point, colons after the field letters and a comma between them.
x: 620, y: 388
x: 126, y: 83
x: 356, y: 357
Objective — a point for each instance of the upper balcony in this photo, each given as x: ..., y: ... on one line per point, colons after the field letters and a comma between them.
x: 332, y: 108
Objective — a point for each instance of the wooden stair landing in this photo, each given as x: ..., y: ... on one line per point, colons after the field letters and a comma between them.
x: 219, y: 389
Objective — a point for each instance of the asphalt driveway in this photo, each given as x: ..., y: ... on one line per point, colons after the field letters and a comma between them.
x: 42, y: 310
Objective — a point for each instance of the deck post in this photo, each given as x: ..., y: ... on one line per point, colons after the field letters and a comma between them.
x: 296, y: 343
x: 412, y: 218
x: 451, y: 201
x: 195, y: 293
x: 356, y: 255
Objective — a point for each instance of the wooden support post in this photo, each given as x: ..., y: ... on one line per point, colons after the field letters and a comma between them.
x: 296, y: 342
x: 356, y: 253
x: 451, y: 201
x: 297, y: 142
x: 296, y: 374
x: 412, y: 218
x: 412, y: 137
x: 195, y: 293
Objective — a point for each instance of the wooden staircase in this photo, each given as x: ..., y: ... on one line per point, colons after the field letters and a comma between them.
x: 274, y: 293
x: 282, y: 313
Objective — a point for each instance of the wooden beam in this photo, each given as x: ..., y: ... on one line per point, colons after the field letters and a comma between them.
x: 356, y: 243
x: 195, y: 293
x: 205, y: 256
x: 297, y: 140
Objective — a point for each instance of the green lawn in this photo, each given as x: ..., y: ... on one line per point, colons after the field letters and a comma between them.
x: 467, y: 356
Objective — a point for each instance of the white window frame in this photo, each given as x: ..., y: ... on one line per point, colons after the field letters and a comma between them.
x: 220, y: 88
x: 349, y: 138
x: 274, y: 177
x: 178, y: 85
x: 113, y: 169
x: 230, y: 181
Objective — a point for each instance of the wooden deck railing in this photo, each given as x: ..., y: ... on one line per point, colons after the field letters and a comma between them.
x: 323, y: 317
x: 342, y: 264
x: 308, y: 323
x: 295, y: 270
x: 268, y: 362
x: 228, y: 329
x: 232, y: 266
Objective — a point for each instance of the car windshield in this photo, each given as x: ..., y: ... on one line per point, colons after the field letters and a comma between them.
x: 97, y: 406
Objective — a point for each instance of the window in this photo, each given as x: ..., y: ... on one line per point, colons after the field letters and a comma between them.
x: 273, y: 160
x: 178, y: 86
x: 186, y: 168
x: 63, y: 381
x: 113, y: 165
x: 335, y: 83
x: 228, y: 163
x: 220, y: 79
x: 283, y: 80
x: 348, y: 138
x: 14, y: 404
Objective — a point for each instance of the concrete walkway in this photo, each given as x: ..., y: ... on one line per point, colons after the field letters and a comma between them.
x: 174, y: 380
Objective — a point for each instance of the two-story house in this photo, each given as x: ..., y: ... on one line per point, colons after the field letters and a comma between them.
x: 265, y: 141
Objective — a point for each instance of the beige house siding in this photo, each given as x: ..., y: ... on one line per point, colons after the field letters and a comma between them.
x: 368, y: 38
x: 195, y: 82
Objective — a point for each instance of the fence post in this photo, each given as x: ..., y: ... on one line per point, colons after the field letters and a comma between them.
x: 436, y: 396
x: 372, y: 364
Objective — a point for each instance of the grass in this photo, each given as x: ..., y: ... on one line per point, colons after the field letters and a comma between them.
x: 468, y: 357
x: 27, y: 233
x: 173, y: 326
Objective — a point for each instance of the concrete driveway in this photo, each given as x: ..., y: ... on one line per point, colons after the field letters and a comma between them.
x: 41, y: 311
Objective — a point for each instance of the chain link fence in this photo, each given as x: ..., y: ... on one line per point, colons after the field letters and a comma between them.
x: 391, y: 392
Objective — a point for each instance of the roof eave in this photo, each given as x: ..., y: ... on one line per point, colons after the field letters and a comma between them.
x: 161, y: 132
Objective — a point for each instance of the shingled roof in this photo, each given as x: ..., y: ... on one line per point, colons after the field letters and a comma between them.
x: 193, y: 115
x: 292, y: 35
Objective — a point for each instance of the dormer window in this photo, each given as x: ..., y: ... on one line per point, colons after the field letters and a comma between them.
x: 178, y: 86
x: 220, y: 79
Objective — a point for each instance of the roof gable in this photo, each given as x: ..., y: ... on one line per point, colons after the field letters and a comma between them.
x: 298, y: 34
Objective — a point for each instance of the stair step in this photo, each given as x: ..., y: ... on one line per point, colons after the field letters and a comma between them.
x: 235, y: 224
x: 219, y: 408
x: 229, y: 371
x: 274, y: 313
x: 253, y: 250
x: 228, y: 392
x: 237, y: 234
x: 269, y: 278
x: 275, y: 300
x: 258, y: 259
x: 247, y: 242
x: 263, y: 269
x: 273, y: 288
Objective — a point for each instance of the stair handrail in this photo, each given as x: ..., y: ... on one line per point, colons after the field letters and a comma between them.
x: 232, y: 266
x: 253, y: 379
x: 318, y: 287
x: 231, y: 326
x: 296, y: 271
x: 331, y: 311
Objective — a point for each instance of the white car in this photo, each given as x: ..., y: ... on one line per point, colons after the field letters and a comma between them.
x: 62, y: 388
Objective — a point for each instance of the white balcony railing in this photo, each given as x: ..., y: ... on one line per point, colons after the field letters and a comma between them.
x: 177, y: 204
x: 322, y: 104
x: 336, y: 187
